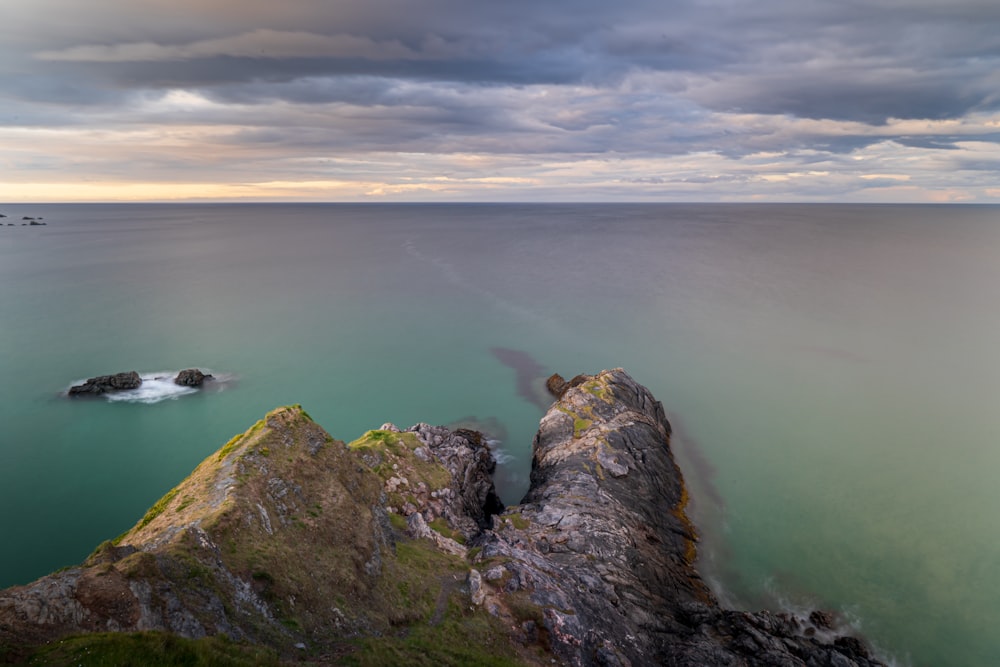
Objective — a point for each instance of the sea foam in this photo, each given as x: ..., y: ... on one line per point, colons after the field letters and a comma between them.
x: 159, y: 386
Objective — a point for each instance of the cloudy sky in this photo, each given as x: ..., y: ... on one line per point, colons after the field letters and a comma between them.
x: 513, y: 100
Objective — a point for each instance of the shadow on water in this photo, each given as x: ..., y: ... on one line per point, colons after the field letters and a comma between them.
x: 706, y: 507
x: 699, y: 469
x: 529, y: 375
x: 716, y: 559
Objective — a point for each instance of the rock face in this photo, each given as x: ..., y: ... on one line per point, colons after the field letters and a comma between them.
x: 284, y: 536
x: 288, y: 538
x: 601, y: 553
x: 107, y: 383
x: 191, y: 377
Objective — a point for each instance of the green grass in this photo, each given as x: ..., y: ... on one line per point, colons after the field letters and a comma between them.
x: 523, y: 608
x: 7, y: 653
x: 440, y: 526
x: 398, y: 521
x: 414, y: 579
x: 519, y: 521
x: 580, y: 424
x: 235, y: 441
x: 157, y: 509
x: 401, y: 446
x: 463, y: 638
x: 151, y: 649
x: 230, y: 446
x: 595, y: 388
x: 420, y: 559
x: 376, y: 438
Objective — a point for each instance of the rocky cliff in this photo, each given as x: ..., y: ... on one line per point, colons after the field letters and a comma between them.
x: 396, y: 546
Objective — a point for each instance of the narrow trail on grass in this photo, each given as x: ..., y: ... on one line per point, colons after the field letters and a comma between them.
x: 449, y: 585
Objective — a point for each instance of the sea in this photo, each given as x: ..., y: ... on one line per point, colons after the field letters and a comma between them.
x: 831, y: 372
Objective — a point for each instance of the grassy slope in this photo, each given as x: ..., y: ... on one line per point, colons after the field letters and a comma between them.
x: 335, y: 571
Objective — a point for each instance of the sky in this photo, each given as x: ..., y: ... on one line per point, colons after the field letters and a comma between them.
x: 513, y: 100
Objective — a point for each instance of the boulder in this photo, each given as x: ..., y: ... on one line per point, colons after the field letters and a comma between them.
x: 191, y: 377
x: 107, y: 383
x: 556, y: 385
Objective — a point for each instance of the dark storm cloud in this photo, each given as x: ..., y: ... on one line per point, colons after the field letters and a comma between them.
x: 840, y: 93
x: 863, y: 61
x: 208, y: 73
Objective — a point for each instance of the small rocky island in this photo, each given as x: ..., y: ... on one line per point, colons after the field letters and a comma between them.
x: 104, y: 384
x: 297, y: 547
x: 27, y: 221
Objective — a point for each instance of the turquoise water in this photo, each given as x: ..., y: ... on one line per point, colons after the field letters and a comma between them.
x: 831, y: 371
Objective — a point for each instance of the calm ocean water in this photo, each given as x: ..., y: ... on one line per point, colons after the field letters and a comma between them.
x: 832, y: 372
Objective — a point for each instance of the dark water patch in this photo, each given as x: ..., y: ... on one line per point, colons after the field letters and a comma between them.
x: 529, y: 375
x: 699, y: 466
x: 706, y: 507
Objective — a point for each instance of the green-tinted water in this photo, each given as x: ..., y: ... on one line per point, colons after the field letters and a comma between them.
x: 831, y: 371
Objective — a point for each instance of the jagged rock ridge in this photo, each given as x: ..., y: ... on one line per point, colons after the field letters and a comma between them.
x: 603, y: 552
x: 289, y: 538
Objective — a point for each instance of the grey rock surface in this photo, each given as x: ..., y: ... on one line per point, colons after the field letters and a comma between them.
x: 191, y: 377
x: 601, y: 552
x: 107, y: 383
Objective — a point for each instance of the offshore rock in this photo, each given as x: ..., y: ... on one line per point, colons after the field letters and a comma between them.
x: 191, y: 377
x: 107, y: 383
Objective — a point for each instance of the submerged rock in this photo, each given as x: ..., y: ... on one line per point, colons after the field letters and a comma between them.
x: 107, y: 383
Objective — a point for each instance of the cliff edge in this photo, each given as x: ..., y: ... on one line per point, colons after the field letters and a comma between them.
x: 602, y: 551
x: 396, y: 546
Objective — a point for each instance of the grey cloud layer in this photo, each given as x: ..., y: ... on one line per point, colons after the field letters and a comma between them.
x: 868, y: 61
x: 581, y: 77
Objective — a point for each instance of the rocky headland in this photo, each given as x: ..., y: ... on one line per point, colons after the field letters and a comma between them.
x: 297, y: 547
